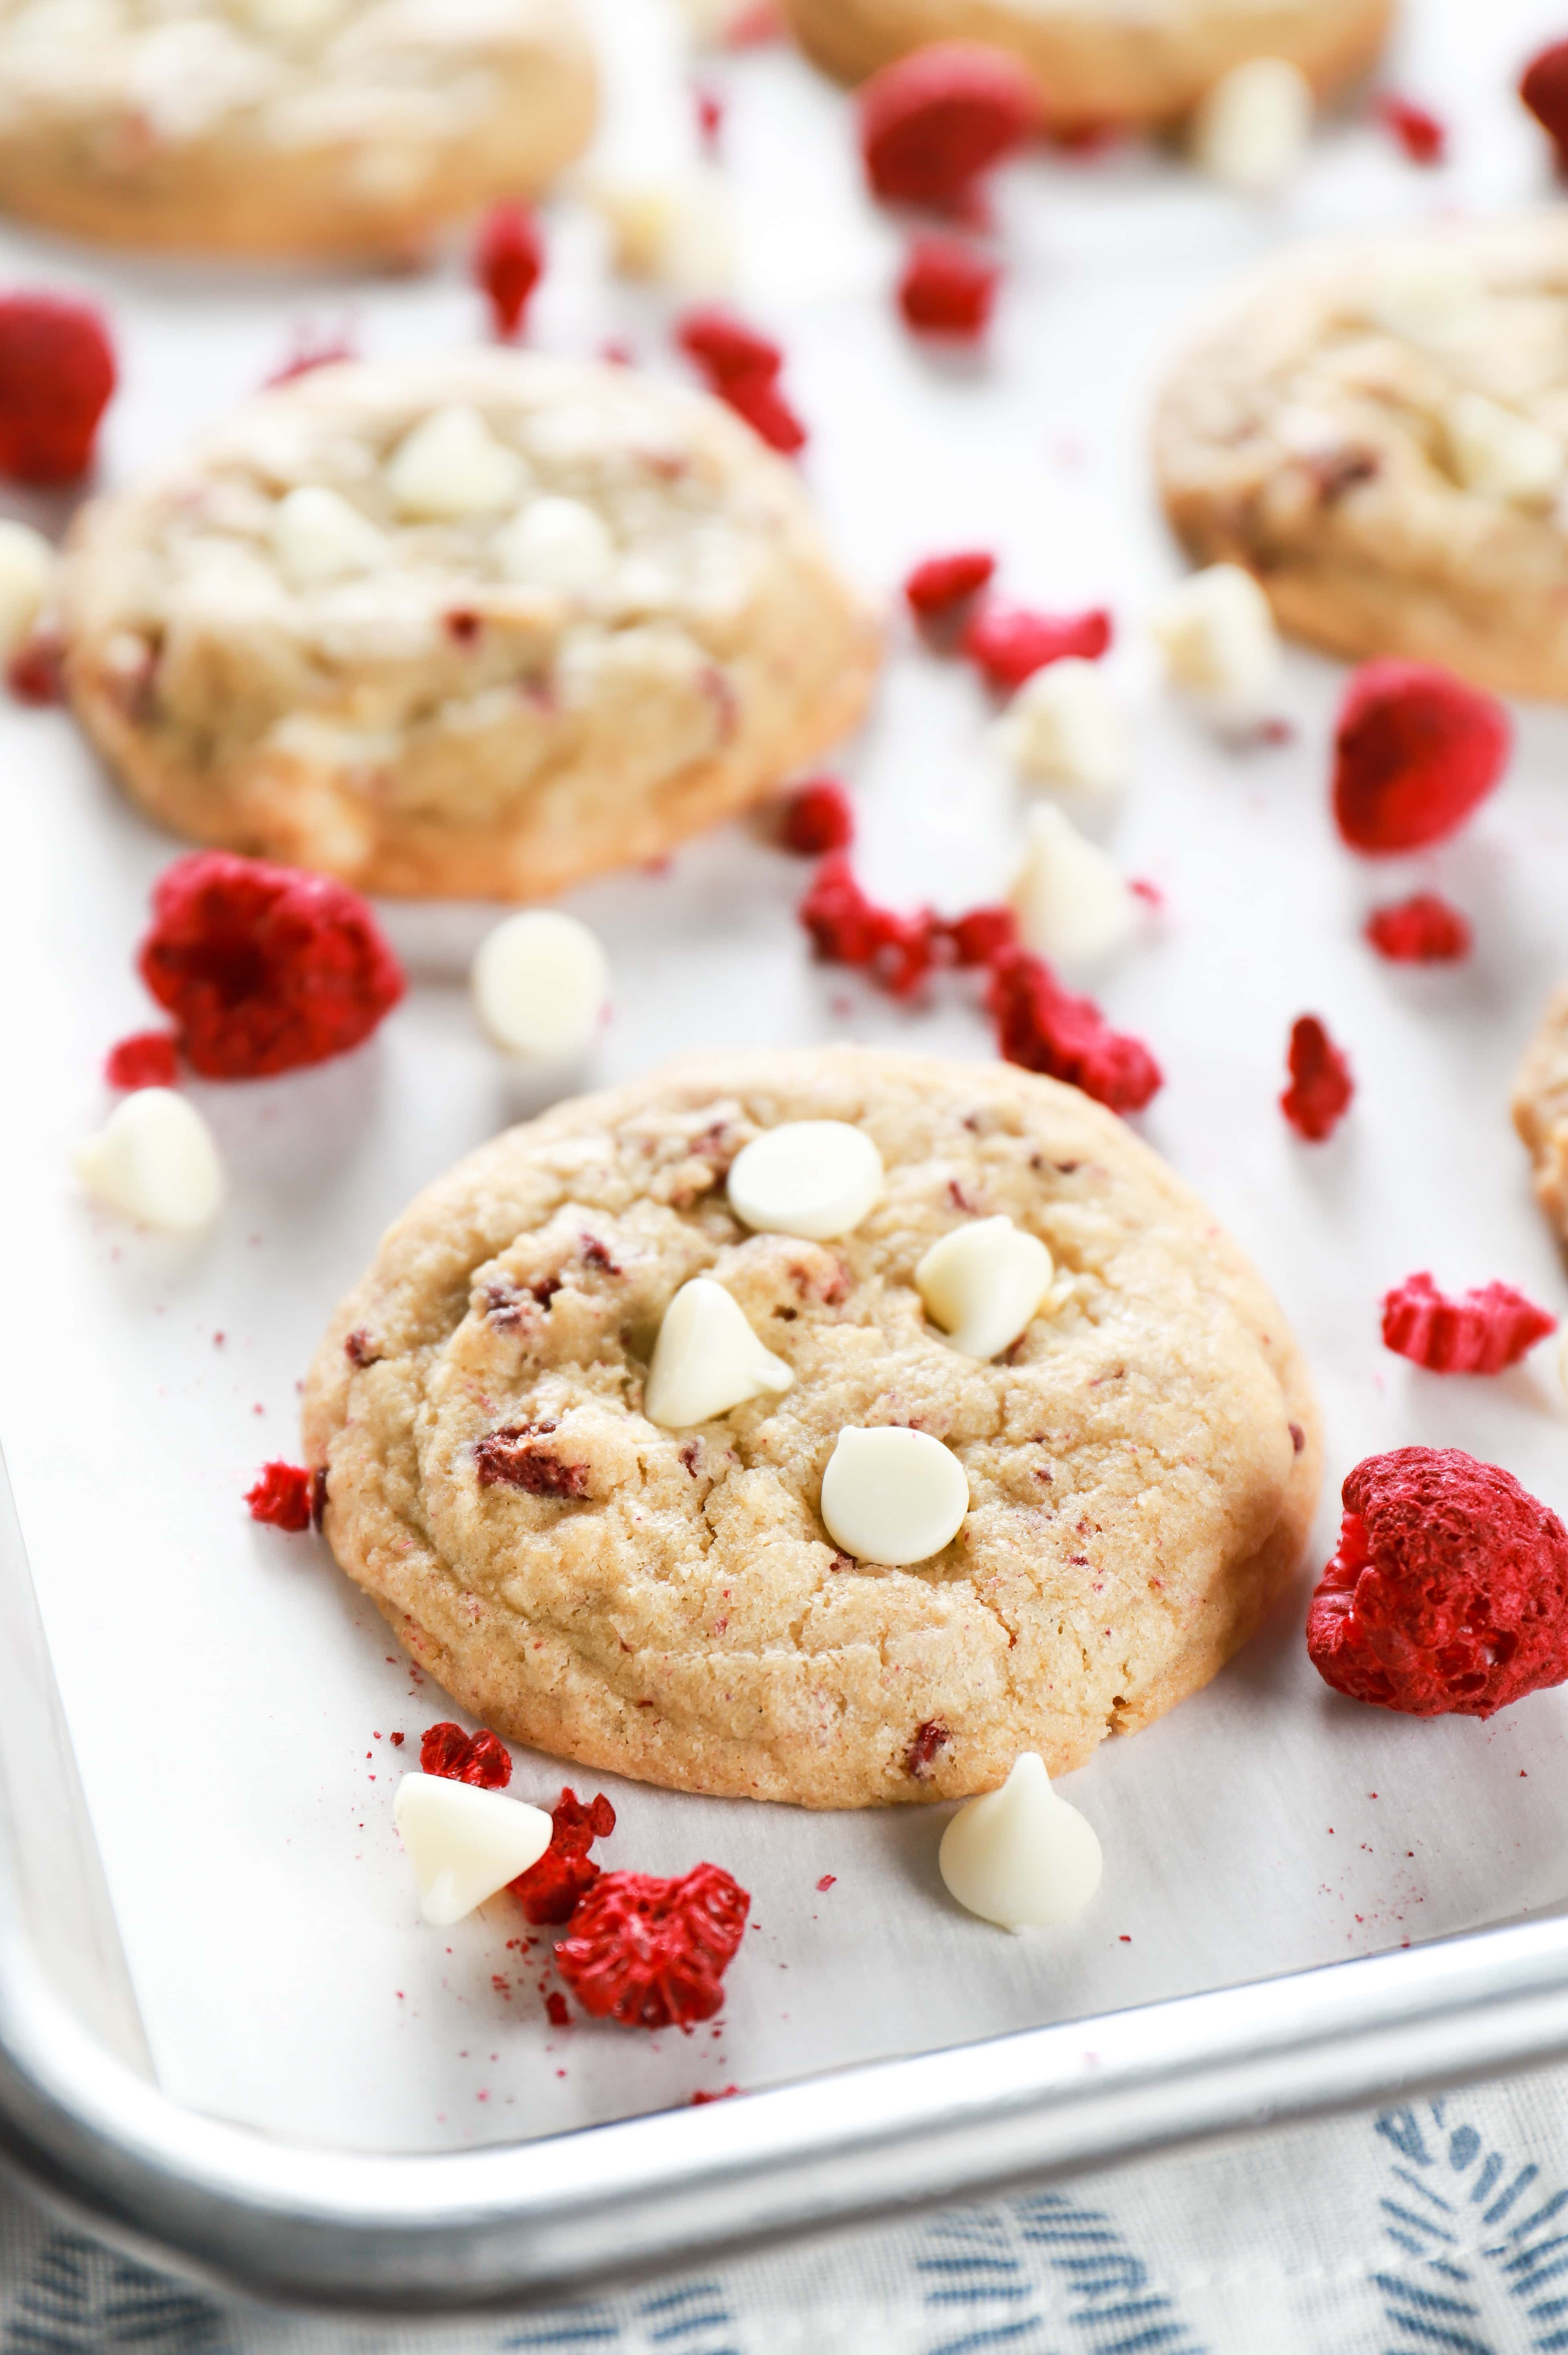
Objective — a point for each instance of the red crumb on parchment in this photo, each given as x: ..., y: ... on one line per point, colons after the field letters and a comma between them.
x: 933, y: 122
x: 1422, y: 929
x: 282, y: 1496
x: 482, y: 1759
x: 948, y: 287
x: 1482, y: 1332
x: 1010, y: 642
x: 145, y: 1059
x: 1320, y: 1086
x: 1422, y: 135
x: 816, y: 818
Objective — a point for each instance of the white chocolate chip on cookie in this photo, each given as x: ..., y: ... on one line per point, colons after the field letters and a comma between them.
x: 1218, y: 637
x: 893, y: 1497
x: 556, y: 543
x: 155, y: 1160
x: 983, y: 1284
x: 1499, y: 455
x: 1252, y: 128
x: 1021, y: 1857
x: 451, y: 465
x: 707, y: 1359
x: 1064, y: 727
x: 1069, y: 900
x: 815, y: 1178
x: 540, y: 984
x: 465, y: 1843
x: 318, y: 536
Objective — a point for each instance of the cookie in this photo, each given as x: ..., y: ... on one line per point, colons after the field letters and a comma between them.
x: 666, y: 1602
x: 1378, y: 430
x: 481, y: 625
x: 1104, y: 63
x: 1541, y: 1111
x: 284, y: 126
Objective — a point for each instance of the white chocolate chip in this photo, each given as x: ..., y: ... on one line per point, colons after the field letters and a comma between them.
x: 893, y: 1497
x: 1217, y: 634
x: 679, y: 233
x: 1064, y: 727
x: 1069, y: 900
x: 318, y: 536
x: 1427, y: 293
x: 540, y: 984
x: 983, y: 1284
x: 465, y: 1843
x: 816, y: 1178
x: 707, y: 1358
x: 1020, y: 1856
x: 26, y: 575
x: 1252, y: 128
x: 155, y: 1160
x: 557, y: 544
x: 1500, y: 454
x: 451, y: 465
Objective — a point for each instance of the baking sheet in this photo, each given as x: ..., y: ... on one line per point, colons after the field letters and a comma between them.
x: 231, y: 1695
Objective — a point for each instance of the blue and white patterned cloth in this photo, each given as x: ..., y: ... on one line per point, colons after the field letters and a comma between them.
x: 1440, y: 2228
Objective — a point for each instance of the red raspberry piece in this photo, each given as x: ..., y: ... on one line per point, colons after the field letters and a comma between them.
x: 724, y: 347
x: 57, y: 373
x: 723, y: 2094
x: 310, y: 350
x: 847, y: 928
x: 1449, y: 1593
x: 920, y: 1756
x: 1321, y: 1084
x: 508, y: 263
x: 1010, y: 642
x: 1543, y: 86
x: 482, y: 1759
x: 555, y: 2011
x: 932, y: 123
x: 283, y: 1496
x: 35, y: 672
x: 940, y: 582
x: 1423, y: 136
x: 550, y: 1890
x: 646, y: 1952
x: 710, y: 119
x: 760, y: 401
x: 1482, y: 1333
x: 948, y: 289
x: 1416, y: 752
x: 145, y: 1059
x: 264, y: 968
x: 1044, y: 1027
x: 981, y: 935
x: 1422, y: 929
x: 816, y: 818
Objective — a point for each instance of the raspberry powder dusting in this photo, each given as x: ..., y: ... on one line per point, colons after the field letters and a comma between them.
x: 650, y: 1953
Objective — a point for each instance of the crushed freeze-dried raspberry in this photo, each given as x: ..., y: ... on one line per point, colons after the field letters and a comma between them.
x: 1415, y: 751
x: 947, y: 288
x: 725, y: 346
x: 847, y: 928
x: 1422, y: 929
x: 35, y: 672
x: 1044, y: 1027
x: 980, y: 936
x: 482, y: 1759
x: 709, y: 109
x: 1423, y: 135
x: 817, y: 818
x: 723, y: 2094
x: 1449, y: 1593
x: 555, y: 2011
x: 309, y: 350
x: 761, y: 401
x: 933, y: 123
x: 510, y: 1458
x: 145, y: 1059
x: 508, y: 263
x: 1481, y: 1333
x: 827, y: 1881
x: 57, y: 373
x: 940, y: 583
x: 1543, y: 86
x: 282, y: 1496
x: 1321, y: 1084
x: 648, y: 1952
x: 264, y: 968
x: 1010, y: 642
x: 549, y: 1890
x: 920, y: 1758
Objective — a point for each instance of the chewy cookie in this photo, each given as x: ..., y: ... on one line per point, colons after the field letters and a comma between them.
x: 1541, y: 1111
x: 481, y: 625
x: 1142, y: 1462
x: 1105, y: 62
x: 284, y: 126
x: 1379, y: 431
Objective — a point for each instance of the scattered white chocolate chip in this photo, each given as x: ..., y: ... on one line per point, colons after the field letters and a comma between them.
x: 893, y: 1497
x: 556, y: 543
x: 317, y: 537
x: 816, y: 1178
x: 26, y: 574
x: 983, y: 1284
x: 1500, y: 454
x: 155, y: 1160
x: 1020, y: 1856
x: 451, y: 464
x: 707, y: 1358
x: 1069, y: 900
x: 1064, y: 727
x: 677, y: 232
x: 465, y: 1843
x: 540, y: 984
x: 1428, y: 293
x: 1217, y: 634
x: 1253, y: 126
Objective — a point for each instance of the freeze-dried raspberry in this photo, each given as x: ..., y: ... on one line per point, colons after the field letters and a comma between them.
x: 482, y: 1759
x: 1482, y: 1333
x: 1422, y: 135
x: 847, y: 928
x: 933, y: 121
x: 1422, y: 929
x: 1543, y: 86
x: 282, y: 1496
x: 942, y: 583
x: 920, y: 1757
x: 1044, y: 1027
x: 264, y: 968
x: 724, y: 347
x: 648, y: 1952
x: 817, y: 818
x: 145, y: 1059
x: 508, y: 263
x: 1416, y: 752
x: 723, y: 2094
x: 981, y: 935
x: 555, y: 2009
x: 947, y: 288
x: 551, y: 1889
x: 35, y: 672
x: 761, y: 401
x: 1449, y: 1593
x: 709, y: 109
x: 512, y: 1458
x: 57, y: 373
x: 1010, y: 642
x: 1321, y: 1084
